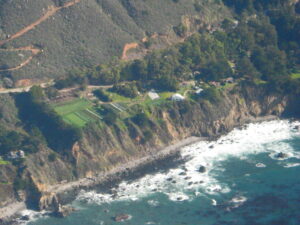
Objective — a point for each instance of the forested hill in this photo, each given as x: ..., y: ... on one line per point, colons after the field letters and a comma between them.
x: 46, y: 38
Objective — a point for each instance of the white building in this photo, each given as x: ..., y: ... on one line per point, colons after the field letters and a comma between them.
x: 153, y: 95
x: 16, y: 154
x: 177, y: 97
x: 198, y: 91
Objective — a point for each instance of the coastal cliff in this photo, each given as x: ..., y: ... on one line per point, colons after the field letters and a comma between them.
x: 108, y: 149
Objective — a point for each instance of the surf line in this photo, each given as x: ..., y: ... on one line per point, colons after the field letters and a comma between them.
x: 52, y: 10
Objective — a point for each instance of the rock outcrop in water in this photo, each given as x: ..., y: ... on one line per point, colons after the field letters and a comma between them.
x: 202, y: 169
x: 63, y: 211
x: 121, y: 218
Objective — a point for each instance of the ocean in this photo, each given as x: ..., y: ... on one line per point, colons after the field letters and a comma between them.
x: 249, y: 176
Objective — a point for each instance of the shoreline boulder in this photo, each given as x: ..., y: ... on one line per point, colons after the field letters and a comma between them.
x: 202, y: 169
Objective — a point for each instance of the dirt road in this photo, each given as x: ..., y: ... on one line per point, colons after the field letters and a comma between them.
x: 52, y: 10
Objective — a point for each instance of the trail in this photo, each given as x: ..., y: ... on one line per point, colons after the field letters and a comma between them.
x: 25, y: 89
x: 34, y: 52
x: 128, y: 47
x: 52, y: 10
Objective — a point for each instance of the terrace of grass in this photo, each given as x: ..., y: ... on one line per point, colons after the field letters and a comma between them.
x: 77, y: 112
x: 3, y: 162
x: 295, y: 75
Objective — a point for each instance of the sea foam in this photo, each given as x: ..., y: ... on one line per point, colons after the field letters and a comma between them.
x: 187, y: 182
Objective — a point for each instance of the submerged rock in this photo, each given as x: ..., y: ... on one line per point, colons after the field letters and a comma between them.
x: 121, y: 218
x: 26, y: 218
x: 64, y: 211
x: 202, y: 169
x: 297, y: 127
x: 281, y: 155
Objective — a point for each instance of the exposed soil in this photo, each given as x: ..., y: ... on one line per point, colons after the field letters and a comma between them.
x: 34, y: 50
x: 128, y: 47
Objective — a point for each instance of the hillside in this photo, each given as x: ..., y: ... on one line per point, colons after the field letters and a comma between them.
x: 107, y: 113
x: 42, y: 39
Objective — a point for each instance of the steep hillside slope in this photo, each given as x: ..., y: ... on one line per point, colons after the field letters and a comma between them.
x: 65, y: 34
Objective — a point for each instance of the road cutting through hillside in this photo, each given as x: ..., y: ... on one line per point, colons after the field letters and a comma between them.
x: 128, y: 47
x: 52, y: 10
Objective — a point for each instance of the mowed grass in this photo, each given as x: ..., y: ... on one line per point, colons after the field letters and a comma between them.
x: 295, y: 75
x: 3, y: 162
x: 78, y: 112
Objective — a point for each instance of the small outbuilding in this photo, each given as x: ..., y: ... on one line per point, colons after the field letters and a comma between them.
x: 177, y: 97
x: 16, y: 154
x: 198, y: 91
x: 153, y: 95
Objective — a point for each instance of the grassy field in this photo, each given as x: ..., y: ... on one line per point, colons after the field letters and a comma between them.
x: 296, y: 75
x: 3, y: 162
x: 77, y: 112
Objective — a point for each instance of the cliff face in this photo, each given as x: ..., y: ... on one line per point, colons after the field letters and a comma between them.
x: 104, y: 148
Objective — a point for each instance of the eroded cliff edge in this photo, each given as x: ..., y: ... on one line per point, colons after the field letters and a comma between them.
x: 104, y: 148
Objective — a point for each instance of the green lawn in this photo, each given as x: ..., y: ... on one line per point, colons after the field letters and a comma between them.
x: 295, y: 75
x: 116, y: 97
x: 166, y: 95
x: 3, y: 162
x: 259, y: 81
x: 77, y: 112
x: 72, y: 106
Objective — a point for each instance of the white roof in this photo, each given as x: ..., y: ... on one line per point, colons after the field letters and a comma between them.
x: 177, y: 97
x: 199, y: 90
x: 153, y: 95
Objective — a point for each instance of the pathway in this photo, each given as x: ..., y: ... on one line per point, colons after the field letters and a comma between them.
x: 50, y: 12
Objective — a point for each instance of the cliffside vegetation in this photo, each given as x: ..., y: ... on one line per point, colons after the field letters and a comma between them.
x: 259, y: 45
x: 99, y: 116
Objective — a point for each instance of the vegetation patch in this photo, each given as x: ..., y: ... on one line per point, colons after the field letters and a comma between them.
x: 78, y: 112
x: 295, y: 75
x: 3, y: 162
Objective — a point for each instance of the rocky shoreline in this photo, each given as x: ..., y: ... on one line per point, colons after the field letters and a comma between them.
x: 67, y: 192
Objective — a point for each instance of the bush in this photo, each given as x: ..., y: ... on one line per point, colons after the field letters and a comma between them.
x: 180, y: 30
x: 10, y: 141
x: 141, y: 119
x: 167, y: 83
x: 101, y: 95
x: 127, y: 90
x: 59, y: 135
x: 148, y: 135
x: 110, y: 116
x: 52, y: 157
x: 212, y: 94
x: 20, y: 184
x: 197, y: 6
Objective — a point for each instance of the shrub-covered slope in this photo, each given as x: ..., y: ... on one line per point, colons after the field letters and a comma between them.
x: 89, y: 32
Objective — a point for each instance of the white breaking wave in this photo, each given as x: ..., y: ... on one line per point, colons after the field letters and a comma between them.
x: 288, y: 165
x: 30, y: 215
x: 260, y: 165
x: 197, y: 175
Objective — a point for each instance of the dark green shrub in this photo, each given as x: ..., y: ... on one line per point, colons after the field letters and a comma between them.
x: 128, y: 90
x: 180, y: 30
x: 101, y: 95
x: 51, y: 157
x: 212, y: 94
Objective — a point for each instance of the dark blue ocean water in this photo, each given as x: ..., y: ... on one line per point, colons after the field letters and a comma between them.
x: 244, y: 183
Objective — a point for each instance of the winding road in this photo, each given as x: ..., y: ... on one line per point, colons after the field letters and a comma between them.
x: 52, y: 10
